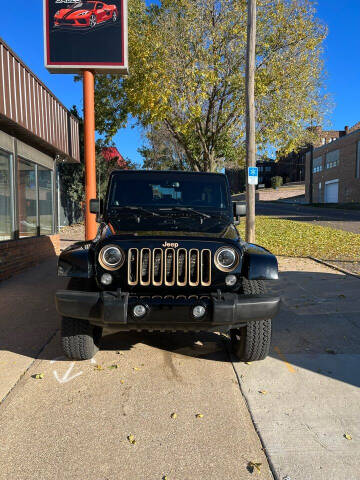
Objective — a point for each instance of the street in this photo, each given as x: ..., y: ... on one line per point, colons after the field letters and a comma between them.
x: 75, y: 421
x: 348, y: 220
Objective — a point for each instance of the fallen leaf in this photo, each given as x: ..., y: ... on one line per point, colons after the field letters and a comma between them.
x: 119, y: 353
x: 112, y: 367
x: 330, y: 350
x: 199, y: 415
x: 131, y: 439
x: 136, y: 369
x: 164, y: 477
x: 98, y: 367
x: 247, y: 363
x: 39, y: 376
x: 122, y: 381
x: 251, y: 466
x: 173, y: 415
x: 347, y: 436
x: 263, y: 392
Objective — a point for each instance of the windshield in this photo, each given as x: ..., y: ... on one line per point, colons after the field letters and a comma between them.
x: 168, y: 190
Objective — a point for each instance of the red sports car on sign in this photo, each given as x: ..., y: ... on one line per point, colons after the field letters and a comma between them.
x: 86, y: 14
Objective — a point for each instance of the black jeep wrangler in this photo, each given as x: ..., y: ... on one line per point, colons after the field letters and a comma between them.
x: 167, y: 257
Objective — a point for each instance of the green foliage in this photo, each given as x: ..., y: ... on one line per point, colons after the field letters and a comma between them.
x: 187, y: 81
x: 276, y: 182
x: 298, y: 239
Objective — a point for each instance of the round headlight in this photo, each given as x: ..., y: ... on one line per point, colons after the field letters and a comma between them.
x: 111, y: 257
x: 226, y: 258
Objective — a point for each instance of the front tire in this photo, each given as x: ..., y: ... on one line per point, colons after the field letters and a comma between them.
x: 79, y: 339
x: 252, y: 342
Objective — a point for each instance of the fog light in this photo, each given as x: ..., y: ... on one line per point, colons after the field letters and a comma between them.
x: 106, y: 279
x: 198, y: 311
x: 139, y: 311
x: 230, y: 280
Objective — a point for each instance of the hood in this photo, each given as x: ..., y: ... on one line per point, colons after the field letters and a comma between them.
x: 214, y: 227
x: 73, y: 12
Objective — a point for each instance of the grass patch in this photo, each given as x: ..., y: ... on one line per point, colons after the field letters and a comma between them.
x: 298, y: 239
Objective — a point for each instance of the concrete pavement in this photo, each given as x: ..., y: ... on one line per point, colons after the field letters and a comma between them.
x: 311, y: 378
x: 74, y: 422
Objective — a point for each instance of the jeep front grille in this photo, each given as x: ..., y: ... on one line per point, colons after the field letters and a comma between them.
x: 169, y: 267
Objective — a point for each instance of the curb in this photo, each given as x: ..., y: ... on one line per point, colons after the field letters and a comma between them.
x: 343, y: 270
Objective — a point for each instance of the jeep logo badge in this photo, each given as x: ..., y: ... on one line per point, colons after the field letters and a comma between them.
x: 172, y: 245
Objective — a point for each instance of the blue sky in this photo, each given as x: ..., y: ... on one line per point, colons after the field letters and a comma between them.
x: 21, y: 28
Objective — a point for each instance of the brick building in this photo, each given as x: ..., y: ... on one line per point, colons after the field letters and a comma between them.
x: 35, y: 131
x: 292, y: 166
x: 333, y: 169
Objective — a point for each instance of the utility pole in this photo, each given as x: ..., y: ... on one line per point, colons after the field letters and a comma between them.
x: 250, y: 119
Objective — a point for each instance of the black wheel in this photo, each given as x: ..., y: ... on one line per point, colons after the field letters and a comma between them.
x: 79, y: 339
x: 252, y: 342
x: 93, y: 21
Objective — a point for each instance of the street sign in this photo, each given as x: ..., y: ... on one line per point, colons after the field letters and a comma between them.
x: 86, y: 35
x: 253, y: 178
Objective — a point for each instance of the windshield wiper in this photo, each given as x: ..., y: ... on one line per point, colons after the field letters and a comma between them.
x: 188, y: 209
x: 136, y: 209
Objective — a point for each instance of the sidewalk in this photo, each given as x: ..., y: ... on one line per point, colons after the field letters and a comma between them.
x: 28, y: 320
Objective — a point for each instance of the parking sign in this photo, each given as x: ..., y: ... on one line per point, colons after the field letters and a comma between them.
x: 253, y: 178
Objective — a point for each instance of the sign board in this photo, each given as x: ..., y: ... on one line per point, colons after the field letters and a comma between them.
x: 253, y: 173
x: 86, y: 35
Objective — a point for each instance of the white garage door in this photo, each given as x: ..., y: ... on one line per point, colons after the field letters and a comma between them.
x: 332, y: 191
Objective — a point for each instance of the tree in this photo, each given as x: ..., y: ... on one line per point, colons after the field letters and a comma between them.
x: 71, y: 175
x: 187, y: 63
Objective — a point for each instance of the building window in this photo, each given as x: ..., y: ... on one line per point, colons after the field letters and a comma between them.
x: 45, y: 200
x: 267, y: 169
x: 5, y: 196
x: 357, y: 173
x: 317, y: 164
x: 332, y: 159
x: 27, y: 199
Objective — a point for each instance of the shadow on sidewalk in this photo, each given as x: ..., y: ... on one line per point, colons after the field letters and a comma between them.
x: 318, y: 326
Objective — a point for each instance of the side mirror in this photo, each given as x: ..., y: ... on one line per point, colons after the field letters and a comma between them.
x: 239, y: 209
x: 96, y: 206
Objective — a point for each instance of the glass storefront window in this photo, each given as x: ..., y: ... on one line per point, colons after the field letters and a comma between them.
x: 5, y: 196
x: 45, y: 200
x: 27, y: 199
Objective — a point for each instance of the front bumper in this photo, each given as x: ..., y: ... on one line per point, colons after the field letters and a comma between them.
x: 115, y: 309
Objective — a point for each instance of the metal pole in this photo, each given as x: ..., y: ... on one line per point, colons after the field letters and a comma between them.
x: 250, y: 119
x: 89, y: 143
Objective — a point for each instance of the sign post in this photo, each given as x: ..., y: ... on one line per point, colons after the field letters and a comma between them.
x: 85, y: 38
x: 89, y: 148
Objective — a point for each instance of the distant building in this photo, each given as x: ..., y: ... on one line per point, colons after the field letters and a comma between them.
x: 333, y: 169
x: 236, y: 176
x: 291, y: 167
x: 267, y: 170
